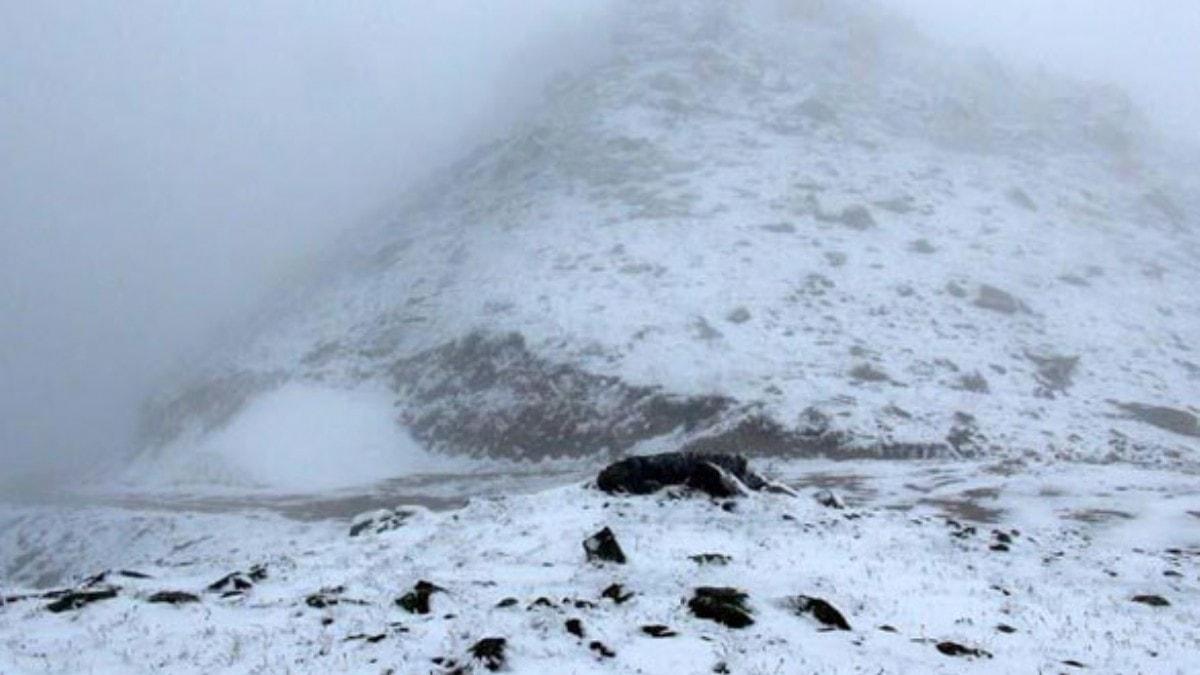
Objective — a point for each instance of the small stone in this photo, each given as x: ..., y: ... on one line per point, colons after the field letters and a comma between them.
x: 1151, y: 600
x: 725, y: 606
x: 954, y: 649
x: 575, y: 627
x: 601, y: 649
x: 658, y: 631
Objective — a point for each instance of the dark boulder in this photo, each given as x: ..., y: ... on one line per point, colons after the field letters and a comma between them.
x: 820, y: 610
x: 1151, y: 600
x: 719, y: 475
x: 726, y: 606
x: 574, y: 627
x: 490, y: 652
x: 416, y: 601
x: 616, y: 593
x: 954, y: 649
x: 603, y: 546
x: 73, y: 600
x: 378, y: 522
x: 601, y: 649
x: 173, y: 597
x: 658, y: 631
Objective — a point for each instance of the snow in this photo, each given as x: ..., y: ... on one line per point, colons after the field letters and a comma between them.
x: 890, y: 558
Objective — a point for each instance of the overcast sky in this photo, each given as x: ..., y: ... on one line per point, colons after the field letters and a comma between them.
x: 164, y: 162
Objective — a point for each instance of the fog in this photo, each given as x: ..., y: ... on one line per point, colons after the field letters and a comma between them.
x: 163, y: 165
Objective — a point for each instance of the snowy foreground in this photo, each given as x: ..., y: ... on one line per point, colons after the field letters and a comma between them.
x: 916, y: 563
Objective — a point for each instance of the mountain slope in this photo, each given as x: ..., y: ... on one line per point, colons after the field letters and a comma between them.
x: 811, y: 234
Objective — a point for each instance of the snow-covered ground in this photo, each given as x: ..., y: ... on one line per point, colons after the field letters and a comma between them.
x: 911, y: 562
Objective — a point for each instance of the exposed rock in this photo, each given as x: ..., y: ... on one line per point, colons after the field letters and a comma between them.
x: 1151, y: 600
x: 1054, y: 373
x: 507, y: 602
x: 710, y: 559
x: 996, y: 300
x: 238, y: 582
x: 717, y: 475
x: 1019, y: 197
x: 616, y: 593
x: 954, y: 649
x: 173, y: 597
x: 377, y: 637
x: 820, y: 610
x: 658, y: 631
x: 726, y: 606
x: 601, y: 649
x: 574, y: 627
x: 828, y: 499
x: 739, y: 315
x: 490, y: 396
x: 1174, y: 420
x: 416, y: 601
x: 490, y: 652
x: 865, y: 372
x: 1005, y: 628
x: 973, y: 382
x: 73, y: 600
x: 378, y: 522
x: 603, y: 547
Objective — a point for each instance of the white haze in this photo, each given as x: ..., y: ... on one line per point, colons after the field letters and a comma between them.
x: 163, y: 165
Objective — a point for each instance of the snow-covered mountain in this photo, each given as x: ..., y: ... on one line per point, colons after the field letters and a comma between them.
x: 791, y: 229
x: 790, y: 233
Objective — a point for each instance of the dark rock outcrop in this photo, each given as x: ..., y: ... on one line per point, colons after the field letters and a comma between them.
x: 616, y: 593
x: 658, y: 631
x: 1151, y: 600
x: 603, y: 547
x: 726, y: 606
x: 491, y: 396
x: 717, y: 475
x: 73, y: 600
x: 378, y: 522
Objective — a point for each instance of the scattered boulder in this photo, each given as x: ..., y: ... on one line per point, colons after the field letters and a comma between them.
x: 377, y: 637
x: 173, y: 597
x: 603, y: 547
x: 328, y: 597
x: 574, y: 627
x: 820, y: 610
x: 490, y: 652
x: 416, y: 601
x: 658, y: 631
x: 996, y: 300
x: 710, y: 559
x: 507, y: 602
x: 719, y: 475
x: 73, y: 600
x: 1054, y: 373
x: 616, y: 593
x: 954, y: 649
x: 1151, y: 600
x: 236, y: 583
x: 726, y: 606
x: 1005, y: 628
x: 601, y: 649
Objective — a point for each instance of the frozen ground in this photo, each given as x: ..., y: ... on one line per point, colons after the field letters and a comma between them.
x: 911, y: 562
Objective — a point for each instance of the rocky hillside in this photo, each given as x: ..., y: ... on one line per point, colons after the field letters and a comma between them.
x: 808, y: 234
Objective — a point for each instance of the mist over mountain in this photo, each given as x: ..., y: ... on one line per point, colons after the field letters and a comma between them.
x: 795, y: 227
x: 764, y: 336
